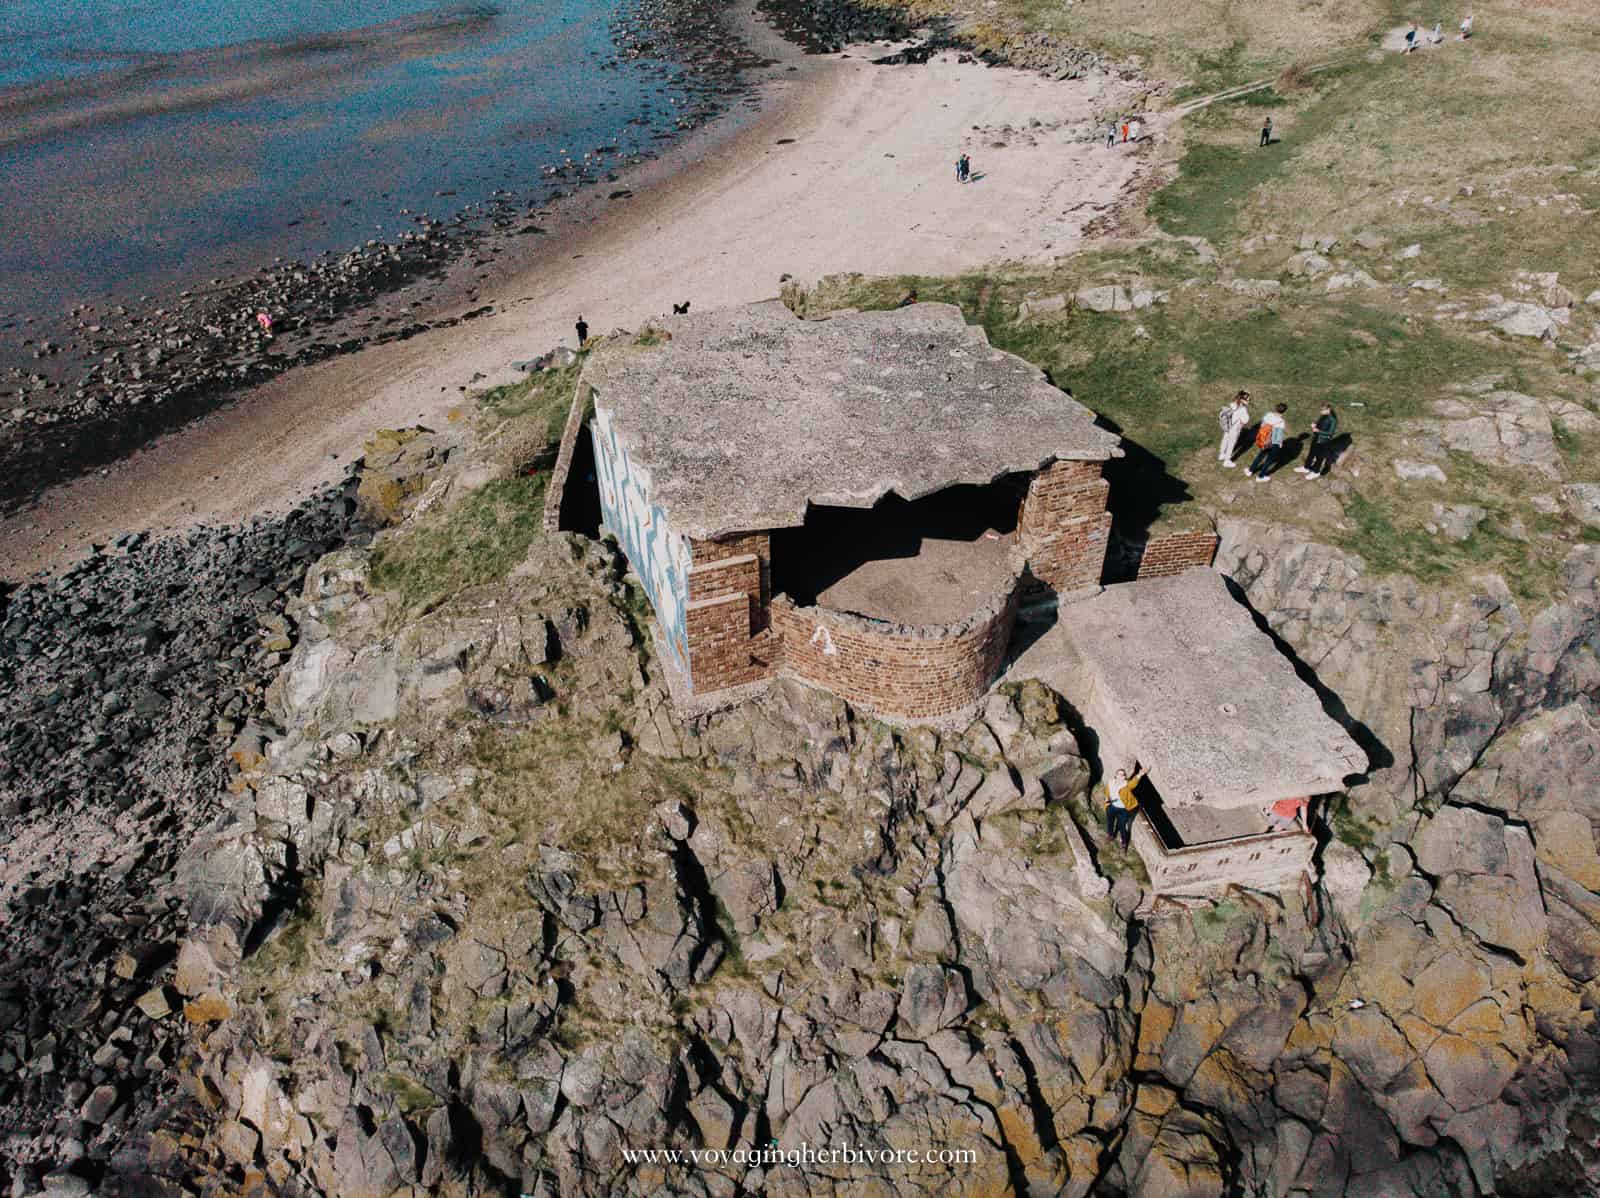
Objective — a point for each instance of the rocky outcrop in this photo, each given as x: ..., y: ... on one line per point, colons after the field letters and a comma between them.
x: 477, y: 909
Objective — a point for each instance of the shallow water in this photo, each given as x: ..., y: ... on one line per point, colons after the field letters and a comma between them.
x: 146, y: 144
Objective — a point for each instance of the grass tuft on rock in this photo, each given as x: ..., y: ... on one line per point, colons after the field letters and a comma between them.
x: 465, y: 544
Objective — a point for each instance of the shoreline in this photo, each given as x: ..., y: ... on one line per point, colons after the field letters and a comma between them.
x: 715, y: 220
x: 84, y: 386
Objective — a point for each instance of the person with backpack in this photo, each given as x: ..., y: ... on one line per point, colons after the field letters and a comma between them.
x: 1233, y: 419
x: 1269, y: 444
x: 1121, y: 803
x: 1323, y: 432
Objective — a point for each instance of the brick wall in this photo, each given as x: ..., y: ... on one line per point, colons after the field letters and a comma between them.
x: 1064, y: 525
x: 728, y: 639
x: 912, y: 673
x: 723, y: 652
x: 1176, y: 552
x: 758, y: 544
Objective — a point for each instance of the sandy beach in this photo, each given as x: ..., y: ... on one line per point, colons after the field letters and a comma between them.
x: 848, y: 167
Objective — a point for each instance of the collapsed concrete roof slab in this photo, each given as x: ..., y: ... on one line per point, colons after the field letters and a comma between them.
x: 747, y: 415
x: 1205, y: 699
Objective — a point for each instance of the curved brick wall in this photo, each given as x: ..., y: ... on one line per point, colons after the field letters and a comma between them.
x: 891, y: 669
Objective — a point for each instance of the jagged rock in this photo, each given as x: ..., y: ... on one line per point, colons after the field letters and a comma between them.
x: 1254, y: 288
x: 1412, y: 471
x: 1502, y: 428
x: 1458, y: 521
x: 932, y: 998
x: 1031, y: 309
x: 1582, y: 501
x: 1308, y: 264
x: 1345, y: 873
x: 1355, y: 278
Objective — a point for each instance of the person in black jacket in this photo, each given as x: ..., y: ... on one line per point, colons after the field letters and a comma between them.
x: 1323, y: 432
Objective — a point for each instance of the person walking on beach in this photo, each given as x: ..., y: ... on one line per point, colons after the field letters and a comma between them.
x: 1266, y: 133
x: 1121, y: 803
x: 1269, y: 444
x: 1234, y: 419
x: 583, y: 332
x: 1323, y: 432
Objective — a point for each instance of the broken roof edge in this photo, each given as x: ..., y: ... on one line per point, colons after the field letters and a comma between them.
x: 866, y: 501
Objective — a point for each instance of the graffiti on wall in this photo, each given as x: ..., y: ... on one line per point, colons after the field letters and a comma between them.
x: 659, y: 556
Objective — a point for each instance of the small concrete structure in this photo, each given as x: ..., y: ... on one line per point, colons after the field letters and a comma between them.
x: 1173, y: 672
x: 856, y: 501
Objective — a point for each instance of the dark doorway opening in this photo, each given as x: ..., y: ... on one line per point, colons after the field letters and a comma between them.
x: 580, y: 498
x: 926, y: 561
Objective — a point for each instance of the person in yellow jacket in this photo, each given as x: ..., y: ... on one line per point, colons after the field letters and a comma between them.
x: 1121, y: 803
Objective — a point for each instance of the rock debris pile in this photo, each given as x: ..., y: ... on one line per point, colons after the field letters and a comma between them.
x: 121, y: 683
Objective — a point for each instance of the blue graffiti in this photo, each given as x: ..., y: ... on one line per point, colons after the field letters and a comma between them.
x: 659, y: 556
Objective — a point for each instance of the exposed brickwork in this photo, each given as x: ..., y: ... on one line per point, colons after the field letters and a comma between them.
x: 728, y: 616
x: 894, y: 672
x: 732, y: 575
x: 757, y: 543
x: 722, y: 650
x: 1176, y: 552
x: 1064, y: 525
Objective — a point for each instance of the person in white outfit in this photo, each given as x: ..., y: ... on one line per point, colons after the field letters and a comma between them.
x: 1234, y: 419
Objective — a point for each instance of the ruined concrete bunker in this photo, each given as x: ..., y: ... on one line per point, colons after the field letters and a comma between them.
x: 858, y: 502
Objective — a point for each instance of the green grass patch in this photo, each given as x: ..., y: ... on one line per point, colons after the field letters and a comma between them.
x: 542, y: 400
x: 474, y: 541
x: 1213, y: 179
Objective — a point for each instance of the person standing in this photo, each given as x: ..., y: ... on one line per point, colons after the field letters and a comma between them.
x: 1266, y: 133
x: 1136, y: 129
x: 1124, y: 132
x: 583, y: 332
x: 1323, y: 432
x: 1466, y: 27
x: 1286, y: 814
x: 1121, y: 803
x: 1411, y: 39
x: 1234, y: 419
x: 1269, y: 444
x: 1111, y: 136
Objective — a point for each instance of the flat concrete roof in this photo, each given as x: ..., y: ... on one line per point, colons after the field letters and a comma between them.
x: 1204, y: 698
x: 747, y: 415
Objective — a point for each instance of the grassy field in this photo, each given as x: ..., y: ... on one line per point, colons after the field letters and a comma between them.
x: 1472, y: 151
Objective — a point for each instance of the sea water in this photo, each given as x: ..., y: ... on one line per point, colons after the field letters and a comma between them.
x: 148, y: 143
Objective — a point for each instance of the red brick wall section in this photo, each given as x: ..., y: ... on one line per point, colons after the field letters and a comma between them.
x: 722, y: 651
x: 727, y: 618
x: 741, y: 575
x: 738, y: 545
x: 917, y: 674
x: 1065, y: 526
x: 1176, y: 552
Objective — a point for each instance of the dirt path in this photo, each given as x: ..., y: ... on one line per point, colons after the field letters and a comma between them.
x: 849, y: 169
